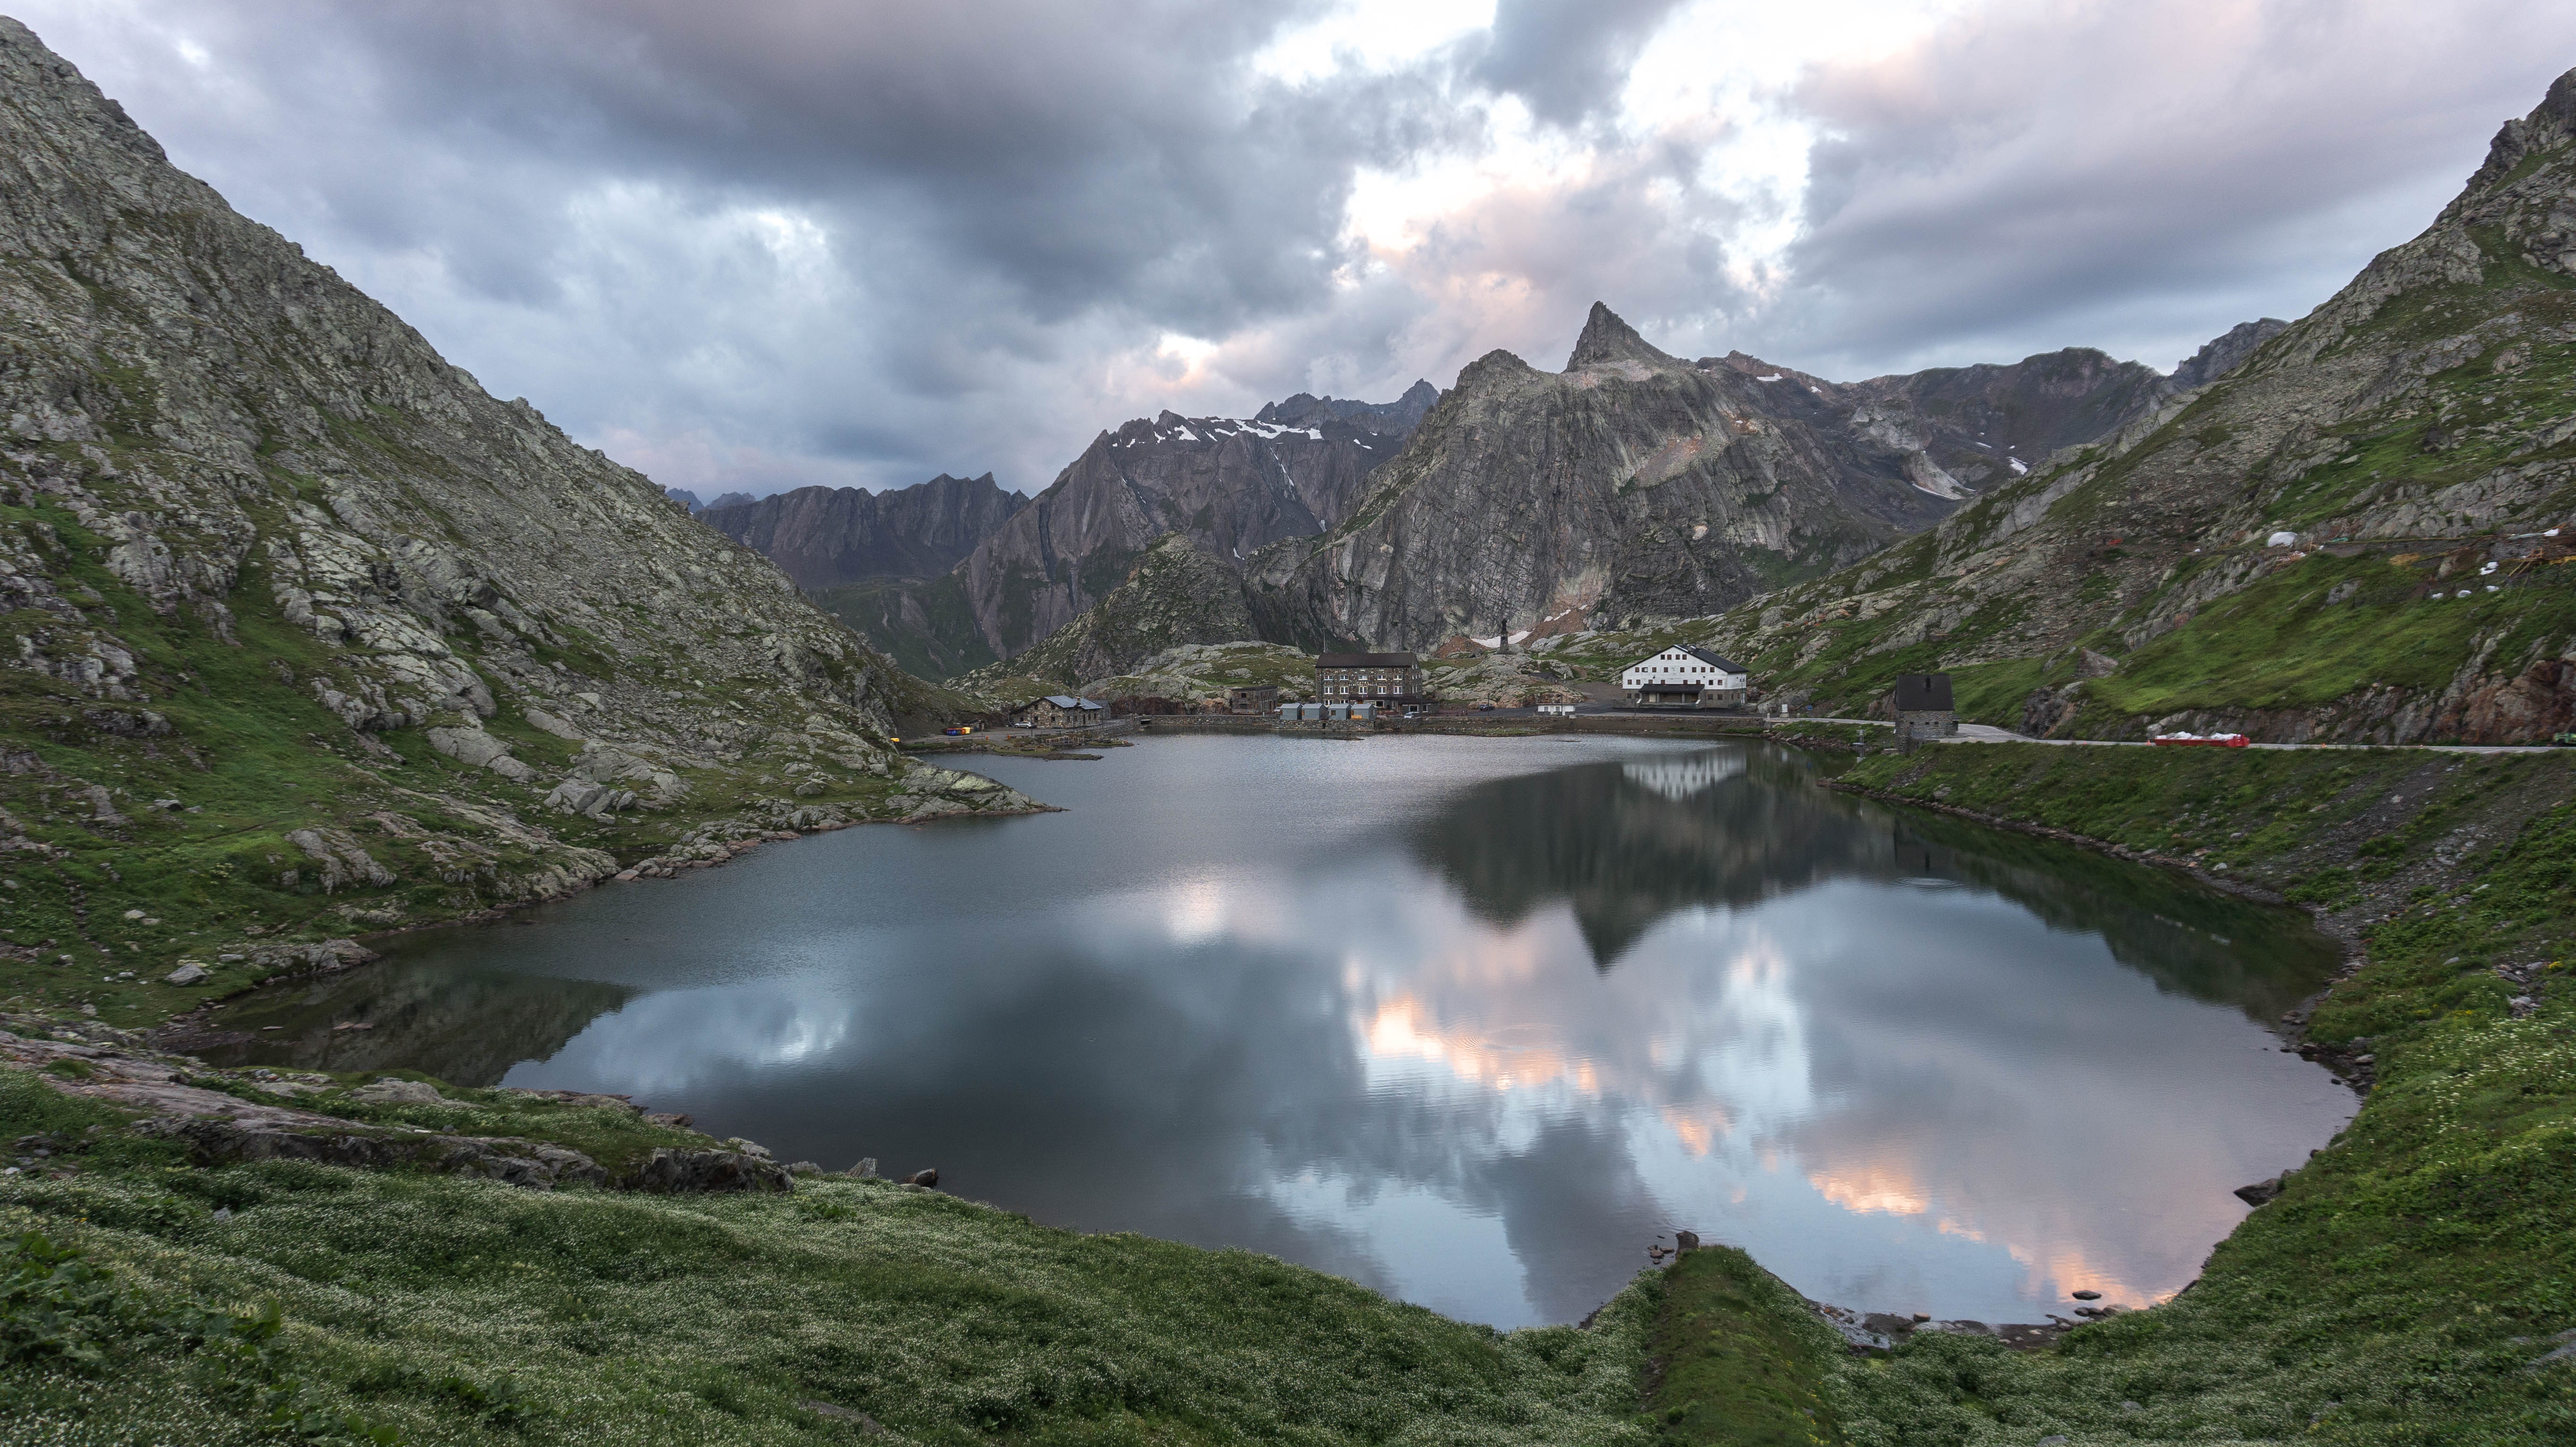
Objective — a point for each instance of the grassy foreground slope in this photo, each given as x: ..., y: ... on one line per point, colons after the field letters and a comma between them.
x: 146, y: 1300
x: 2411, y: 1283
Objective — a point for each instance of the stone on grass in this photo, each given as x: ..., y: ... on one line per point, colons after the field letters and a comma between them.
x: 2262, y: 1191
x: 189, y: 973
x: 675, y: 1171
x: 390, y: 1091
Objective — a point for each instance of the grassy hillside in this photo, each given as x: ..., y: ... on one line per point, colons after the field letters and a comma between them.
x: 2407, y: 1284
x: 185, y: 826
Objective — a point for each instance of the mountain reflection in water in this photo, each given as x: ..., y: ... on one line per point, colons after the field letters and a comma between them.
x: 1468, y: 1020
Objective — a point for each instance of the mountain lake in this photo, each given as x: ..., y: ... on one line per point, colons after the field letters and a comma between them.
x: 1473, y: 1021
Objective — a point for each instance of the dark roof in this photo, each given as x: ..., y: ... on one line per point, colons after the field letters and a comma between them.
x: 1066, y: 700
x: 1712, y: 660
x: 1917, y: 692
x: 1365, y: 660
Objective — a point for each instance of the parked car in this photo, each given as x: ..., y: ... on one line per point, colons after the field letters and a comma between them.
x: 1484, y: 708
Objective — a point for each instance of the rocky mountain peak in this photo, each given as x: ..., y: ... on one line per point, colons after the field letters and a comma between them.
x: 1606, y: 338
x: 1495, y: 367
x: 2550, y: 123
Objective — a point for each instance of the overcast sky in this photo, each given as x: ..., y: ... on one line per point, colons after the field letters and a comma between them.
x: 777, y: 242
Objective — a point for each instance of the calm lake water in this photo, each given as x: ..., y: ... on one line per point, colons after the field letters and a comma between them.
x: 1471, y: 1021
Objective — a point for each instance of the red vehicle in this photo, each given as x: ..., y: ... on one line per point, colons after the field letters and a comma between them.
x: 2212, y: 741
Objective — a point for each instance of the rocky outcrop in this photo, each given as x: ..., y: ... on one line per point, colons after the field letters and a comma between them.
x: 301, y: 1136
x: 824, y: 536
x: 690, y: 1171
x: 174, y: 1098
x: 2371, y: 505
x: 1176, y: 594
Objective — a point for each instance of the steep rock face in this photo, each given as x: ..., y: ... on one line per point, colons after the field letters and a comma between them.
x: 2411, y: 444
x: 1331, y: 445
x: 2225, y: 353
x: 1231, y: 485
x: 1176, y: 594
x: 823, y: 536
x: 1987, y: 424
x: 394, y: 632
x: 1631, y: 483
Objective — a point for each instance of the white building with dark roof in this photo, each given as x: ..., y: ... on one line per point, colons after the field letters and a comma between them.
x: 1684, y: 677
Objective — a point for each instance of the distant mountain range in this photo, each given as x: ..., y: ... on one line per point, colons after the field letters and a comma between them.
x: 949, y: 575
x: 1631, y: 485
x: 687, y: 499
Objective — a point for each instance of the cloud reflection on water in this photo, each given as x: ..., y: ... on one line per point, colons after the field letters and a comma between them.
x: 1476, y: 1041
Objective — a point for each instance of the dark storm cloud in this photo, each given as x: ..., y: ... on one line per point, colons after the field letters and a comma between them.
x: 2139, y: 173
x: 1089, y: 154
x: 770, y: 244
x: 1566, y: 59
x: 862, y: 230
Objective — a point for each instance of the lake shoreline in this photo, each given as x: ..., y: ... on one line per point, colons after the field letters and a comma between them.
x: 173, y: 1031
x: 2446, y: 875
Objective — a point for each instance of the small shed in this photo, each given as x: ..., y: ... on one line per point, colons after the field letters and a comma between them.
x: 1923, y: 708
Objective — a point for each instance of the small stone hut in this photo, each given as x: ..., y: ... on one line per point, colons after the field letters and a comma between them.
x: 1924, y: 710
